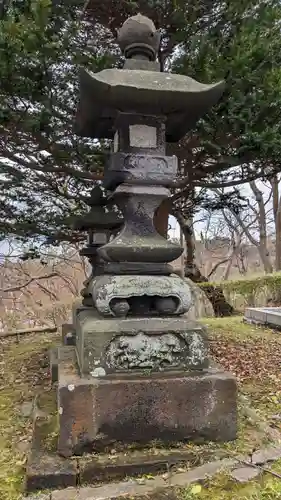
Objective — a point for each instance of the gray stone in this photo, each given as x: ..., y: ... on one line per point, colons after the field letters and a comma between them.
x: 139, y: 30
x: 140, y: 169
x: 65, y: 494
x: 270, y: 316
x: 173, y: 406
x: 144, y: 351
x: 98, y: 338
x: 200, y: 473
x: 244, y: 474
x: 141, y: 64
x: 142, y: 136
x: 201, y: 307
x: 134, y: 488
x: 54, y: 364
x: 92, y: 470
x: 142, y: 244
x: 106, y: 289
x: 27, y: 408
x: 260, y: 457
x: 46, y: 471
x: 77, y: 308
x: 67, y: 353
x: 68, y: 334
x: 39, y: 496
x: 128, y: 488
x: 40, y: 414
x: 165, y: 91
x: 150, y: 268
x: 75, y: 407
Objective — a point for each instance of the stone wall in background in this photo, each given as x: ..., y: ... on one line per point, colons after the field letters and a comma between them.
x: 201, y: 307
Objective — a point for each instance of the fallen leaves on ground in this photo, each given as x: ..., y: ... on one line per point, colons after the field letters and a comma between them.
x: 247, y: 359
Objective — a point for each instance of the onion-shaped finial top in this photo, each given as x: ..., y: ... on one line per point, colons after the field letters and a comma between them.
x: 138, y: 38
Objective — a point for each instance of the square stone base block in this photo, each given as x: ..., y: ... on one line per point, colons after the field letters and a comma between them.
x: 171, y: 407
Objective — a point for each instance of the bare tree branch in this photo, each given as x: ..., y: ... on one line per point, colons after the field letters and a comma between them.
x: 218, y: 264
x: 15, y: 333
x: 34, y: 278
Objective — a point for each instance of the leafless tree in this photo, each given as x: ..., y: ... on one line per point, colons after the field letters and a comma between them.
x: 254, y: 220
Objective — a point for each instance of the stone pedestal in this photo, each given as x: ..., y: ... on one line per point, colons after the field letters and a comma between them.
x: 139, y: 379
x: 170, y: 407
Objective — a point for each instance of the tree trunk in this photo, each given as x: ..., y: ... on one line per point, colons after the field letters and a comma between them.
x: 262, y: 247
x: 214, y: 293
x: 235, y: 252
x: 278, y: 240
x: 276, y: 203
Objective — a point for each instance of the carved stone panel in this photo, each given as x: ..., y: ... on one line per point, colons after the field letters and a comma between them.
x: 144, y: 351
x: 140, y: 169
x: 112, y: 344
x: 168, y: 351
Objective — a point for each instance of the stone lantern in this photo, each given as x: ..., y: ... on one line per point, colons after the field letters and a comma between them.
x: 101, y: 222
x: 140, y: 369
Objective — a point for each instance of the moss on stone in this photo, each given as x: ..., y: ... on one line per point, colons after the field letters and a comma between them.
x: 222, y: 487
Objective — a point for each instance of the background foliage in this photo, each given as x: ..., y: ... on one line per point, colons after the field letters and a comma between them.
x: 47, y: 171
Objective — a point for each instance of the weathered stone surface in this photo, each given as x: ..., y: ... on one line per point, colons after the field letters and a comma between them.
x: 148, y: 268
x: 44, y: 496
x: 201, y: 307
x: 145, y: 376
x: 200, y: 473
x: 54, y: 364
x: 68, y: 334
x: 244, y: 474
x: 138, y: 241
x: 106, y: 289
x: 150, y: 352
x: 135, y: 133
x: 142, y: 136
x: 23, y: 446
x: 155, y: 489
x: 94, y: 470
x: 29, y: 409
x: 140, y: 169
x: 142, y: 64
x: 270, y: 316
x: 260, y: 457
x: 175, y: 408
x: 75, y: 407
x: 48, y: 471
x: 160, y: 91
x: 67, y: 353
x: 77, y: 308
x: 110, y: 491
x: 139, y: 31
x: 99, y: 343
x: 66, y: 494
x: 172, y: 407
